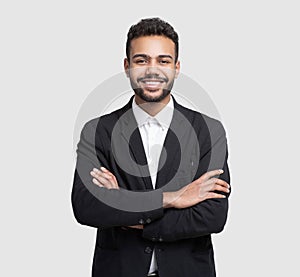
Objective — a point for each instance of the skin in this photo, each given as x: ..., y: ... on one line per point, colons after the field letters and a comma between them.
x: 152, y: 70
x: 197, y: 191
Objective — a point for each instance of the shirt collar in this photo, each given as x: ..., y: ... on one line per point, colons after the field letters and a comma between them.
x: 164, y: 117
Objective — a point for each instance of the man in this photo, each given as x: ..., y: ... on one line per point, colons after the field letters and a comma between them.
x: 147, y: 175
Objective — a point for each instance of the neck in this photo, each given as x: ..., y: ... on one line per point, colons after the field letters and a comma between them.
x: 152, y: 108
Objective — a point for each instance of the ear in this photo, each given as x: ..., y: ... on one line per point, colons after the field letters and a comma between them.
x: 177, y: 68
x: 126, y: 67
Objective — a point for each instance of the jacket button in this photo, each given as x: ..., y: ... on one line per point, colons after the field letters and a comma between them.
x: 148, y: 250
x: 148, y: 220
x: 141, y: 221
x: 160, y: 239
x: 153, y: 239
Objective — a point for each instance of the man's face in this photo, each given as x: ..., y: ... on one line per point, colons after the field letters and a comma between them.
x: 152, y: 67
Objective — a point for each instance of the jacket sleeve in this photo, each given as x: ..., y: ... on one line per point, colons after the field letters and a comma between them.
x: 205, y: 218
x: 100, y: 207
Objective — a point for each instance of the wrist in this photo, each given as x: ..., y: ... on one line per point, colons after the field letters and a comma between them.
x: 168, y: 199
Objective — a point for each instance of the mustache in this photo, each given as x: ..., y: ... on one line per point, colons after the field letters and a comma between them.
x: 153, y: 77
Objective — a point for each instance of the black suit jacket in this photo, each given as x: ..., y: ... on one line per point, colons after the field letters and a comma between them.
x: 181, y: 237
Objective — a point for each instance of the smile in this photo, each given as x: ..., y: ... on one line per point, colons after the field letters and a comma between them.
x: 152, y: 83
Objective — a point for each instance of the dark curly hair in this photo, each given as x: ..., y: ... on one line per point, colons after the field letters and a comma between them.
x: 151, y: 27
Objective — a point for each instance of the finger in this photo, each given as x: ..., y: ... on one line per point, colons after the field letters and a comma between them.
x: 112, y: 176
x: 95, y: 181
x: 210, y: 174
x: 107, y: 180
x: 95, y: 173
x: 219, y: 188
x: 104, y: 173
x: 103, y: 169
x: 217, y: 181
x: 136, y: 226
x: 115, y: 183
x: 98, y: 174
x: 215, y: 184
x: 212, y: 195
x: 96, y: 170
x: 106, y: 183
x: 106, y: 176
x: 222, y: 183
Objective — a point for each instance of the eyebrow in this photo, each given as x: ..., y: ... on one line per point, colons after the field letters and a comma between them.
x: 148, y: 57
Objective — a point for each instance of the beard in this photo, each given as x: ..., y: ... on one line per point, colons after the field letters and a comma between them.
x: 148, y: 97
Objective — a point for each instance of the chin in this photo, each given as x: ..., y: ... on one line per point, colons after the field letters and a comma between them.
x: 150, y: 96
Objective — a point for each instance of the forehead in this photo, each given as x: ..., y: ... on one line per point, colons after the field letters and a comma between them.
x: 152, y: 46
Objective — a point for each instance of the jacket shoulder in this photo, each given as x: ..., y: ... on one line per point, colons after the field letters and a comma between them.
x: 200, y: 120
x: 107, y: 120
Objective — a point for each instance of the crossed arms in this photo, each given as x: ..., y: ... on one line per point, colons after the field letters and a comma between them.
x: 197, y: 209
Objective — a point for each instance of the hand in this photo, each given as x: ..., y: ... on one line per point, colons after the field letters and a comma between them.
x: 136, y: 227
x: 199, y: 190
x: 104, y: 178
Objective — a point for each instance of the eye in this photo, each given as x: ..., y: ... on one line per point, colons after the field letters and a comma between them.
x: 141, y: 61
x: 164, y: 61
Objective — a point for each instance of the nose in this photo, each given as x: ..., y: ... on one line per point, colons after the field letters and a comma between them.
x: 152, y: 69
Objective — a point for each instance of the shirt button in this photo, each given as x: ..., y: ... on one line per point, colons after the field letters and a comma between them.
x: 148, y: 220
x: 141, y: 221
x: 148, y: 250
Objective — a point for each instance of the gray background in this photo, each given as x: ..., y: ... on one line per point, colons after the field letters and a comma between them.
x: 245, y: 54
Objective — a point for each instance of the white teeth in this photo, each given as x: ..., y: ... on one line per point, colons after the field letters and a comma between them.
x: 152, y: 83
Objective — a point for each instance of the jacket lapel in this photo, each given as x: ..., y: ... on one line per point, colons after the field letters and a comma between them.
x: 169, y: 159
x: 130, y: 132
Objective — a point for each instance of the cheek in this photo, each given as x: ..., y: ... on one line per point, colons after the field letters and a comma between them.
x: 170, y: 73
x: 136, y: 72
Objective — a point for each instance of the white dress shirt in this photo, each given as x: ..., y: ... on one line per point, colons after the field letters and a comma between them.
x: 153, y: 132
